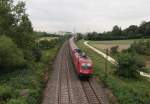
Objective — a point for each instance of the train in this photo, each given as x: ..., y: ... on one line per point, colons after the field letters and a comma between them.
x: 83, y: 64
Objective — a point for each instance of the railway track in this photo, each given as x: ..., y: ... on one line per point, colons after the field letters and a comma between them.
x: 63, y: 83
x: 94, y: 94
x: 64, y: 87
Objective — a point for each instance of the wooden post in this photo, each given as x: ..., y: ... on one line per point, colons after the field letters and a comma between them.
x: 106, y: 63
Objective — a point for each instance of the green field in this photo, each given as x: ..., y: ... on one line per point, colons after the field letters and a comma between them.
x: 47, y: 38
x: 122, y: 44
x: 127, y: 91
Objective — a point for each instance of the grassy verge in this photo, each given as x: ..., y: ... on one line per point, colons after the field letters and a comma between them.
x: 127, y: 91
x: 25, y: 86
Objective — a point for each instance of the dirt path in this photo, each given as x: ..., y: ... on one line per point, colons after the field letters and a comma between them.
x: 64, y: 87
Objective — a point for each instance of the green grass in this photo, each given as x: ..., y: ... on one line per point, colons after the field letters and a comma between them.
x: 127, y: 91
x: 47, y: 38
x: 31, y: 81
x: 123, y: 44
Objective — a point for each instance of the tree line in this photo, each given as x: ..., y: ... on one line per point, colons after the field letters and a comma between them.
x: 23, y: 60
x: 17, y: 44
x: 132, y: 32
x: 45, y: 34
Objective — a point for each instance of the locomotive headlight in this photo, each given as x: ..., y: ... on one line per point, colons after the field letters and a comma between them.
x: 89, y: 65
x: 83, y: 64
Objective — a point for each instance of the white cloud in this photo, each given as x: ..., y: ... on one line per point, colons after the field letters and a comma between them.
x: 95, y: 15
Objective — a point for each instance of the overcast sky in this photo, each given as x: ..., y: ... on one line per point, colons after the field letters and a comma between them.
x: 86, y: 15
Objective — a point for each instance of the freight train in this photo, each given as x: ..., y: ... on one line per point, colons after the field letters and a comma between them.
x: 83, y: 64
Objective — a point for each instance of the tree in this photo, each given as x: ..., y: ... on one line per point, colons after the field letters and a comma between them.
x: 145, y: 28
x: 23, y: 36
x: 79, y: 36
x: 116, y: 31
x: 141, y: 47
x: 129, y: 65
x: 7, y: 20
x: 14, y: 23
x: 142, y: 27
x: 114, y: 49
x: 10, y: 55
x: 131, y: 30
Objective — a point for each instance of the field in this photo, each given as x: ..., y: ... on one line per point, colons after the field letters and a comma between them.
x: 122, y: 44
x: 47, y: 38
x: 127, y: 91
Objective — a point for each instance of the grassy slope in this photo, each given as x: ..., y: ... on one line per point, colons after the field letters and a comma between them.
x: 29, y: 82
x: 126, y: 91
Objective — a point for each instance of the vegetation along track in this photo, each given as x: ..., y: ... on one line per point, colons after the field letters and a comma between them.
x: 64, y: 87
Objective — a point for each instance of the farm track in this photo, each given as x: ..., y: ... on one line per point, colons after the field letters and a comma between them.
x: 64, y: 87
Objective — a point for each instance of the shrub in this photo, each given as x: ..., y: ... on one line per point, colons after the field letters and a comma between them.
x: 33, y: 54
x: 5, y: 92
x: 141, y: 47
x: 10, y: 56
x: 37, y: 52
x: 33, y: 95
x: 17, y: 101
x: 79, y: 36
x: 45, y: 44
x: 129, y: 65
x: 114, y: 49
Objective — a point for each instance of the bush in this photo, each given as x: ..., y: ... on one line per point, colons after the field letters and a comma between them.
x: 5, y: 93
x: 33, y: 95
x: 114, y: 49
x: 141, y: 47
x: 10, y: 56
x: 79, y: 36
x: 129, y: 65
x: 45, y: 44
x: 37, y: 52
x: 17, y: 101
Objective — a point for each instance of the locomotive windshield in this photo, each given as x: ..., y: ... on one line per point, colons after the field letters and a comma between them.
x: 78, y: 50
x: 86, y: 66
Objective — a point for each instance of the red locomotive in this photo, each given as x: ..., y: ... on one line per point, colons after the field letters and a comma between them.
x: 82, y: 63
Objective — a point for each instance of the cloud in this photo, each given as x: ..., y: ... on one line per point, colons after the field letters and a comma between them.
x: 86, y: 15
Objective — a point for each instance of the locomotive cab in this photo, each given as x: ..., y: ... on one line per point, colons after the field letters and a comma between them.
x: 85, y: 67
x: 77, y: 50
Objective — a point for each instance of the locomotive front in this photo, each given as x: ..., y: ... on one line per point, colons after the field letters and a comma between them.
x: 85, y: 66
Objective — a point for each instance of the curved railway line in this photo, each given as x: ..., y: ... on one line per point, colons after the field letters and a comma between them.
x: 64, y: 87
